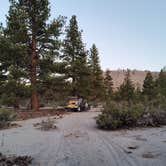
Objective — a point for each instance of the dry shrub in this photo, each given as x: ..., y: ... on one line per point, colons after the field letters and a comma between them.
x: 15, y: 160
x: 46, y: 125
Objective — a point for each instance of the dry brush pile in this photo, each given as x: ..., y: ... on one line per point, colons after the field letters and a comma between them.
x: 48, y: 124
x: 15, y: 160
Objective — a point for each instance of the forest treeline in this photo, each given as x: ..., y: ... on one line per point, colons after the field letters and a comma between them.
x: 132, y: 106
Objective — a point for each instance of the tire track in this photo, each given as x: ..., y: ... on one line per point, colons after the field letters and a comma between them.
x: 118, y: 152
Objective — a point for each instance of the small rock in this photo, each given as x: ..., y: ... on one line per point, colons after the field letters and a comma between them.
x: 150, y: 155
x: 133, y: 147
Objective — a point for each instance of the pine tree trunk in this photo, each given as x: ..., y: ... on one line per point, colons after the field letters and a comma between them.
x: 34, y: 97
x: 74, y: 91
x: 16, y: 105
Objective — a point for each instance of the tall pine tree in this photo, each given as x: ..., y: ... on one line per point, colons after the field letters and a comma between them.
x: 75, y: 55
x: 28, y: 29
x: 97, y: 84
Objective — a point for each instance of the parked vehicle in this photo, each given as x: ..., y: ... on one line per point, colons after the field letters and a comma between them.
x: 77, y: 104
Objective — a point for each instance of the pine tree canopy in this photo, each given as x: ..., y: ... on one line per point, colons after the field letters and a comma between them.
x: 75, y: 55
x: 126, y: 90
x: 161, y: 82
x: 149, y: 85
x: 97, y: 83
x: 108, y: 83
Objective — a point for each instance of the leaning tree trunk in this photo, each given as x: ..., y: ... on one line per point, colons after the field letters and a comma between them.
x: 34, y: 97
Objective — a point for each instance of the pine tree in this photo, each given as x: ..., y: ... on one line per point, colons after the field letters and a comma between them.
x: 28, y: 29
x: 12, y: 86
x: 126, y: 90
x: 138, y: 93
x: 149, y: 86
x: 97, y: 83
x: 108, y: 83
x: 75, y: 55
x: 4, y: 51
x: 161, y: 82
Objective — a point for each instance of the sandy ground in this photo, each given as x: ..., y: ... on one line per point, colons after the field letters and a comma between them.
x: 77, y: 142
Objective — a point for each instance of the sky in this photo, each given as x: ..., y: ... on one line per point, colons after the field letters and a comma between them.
x: 128, y: 33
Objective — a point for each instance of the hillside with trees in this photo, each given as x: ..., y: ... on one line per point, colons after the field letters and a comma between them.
x: 137, y: 77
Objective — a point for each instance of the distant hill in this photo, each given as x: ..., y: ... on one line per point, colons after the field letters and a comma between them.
x: 137, y: 77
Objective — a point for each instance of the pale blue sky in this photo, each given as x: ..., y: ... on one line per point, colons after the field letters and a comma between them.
x: 128, y: 33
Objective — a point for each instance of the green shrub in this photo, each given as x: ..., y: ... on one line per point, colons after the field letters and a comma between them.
x: 6, y: 117
x: 118, y: 115
x: 124, y: 114
x: 106, y: 121
x: 160, y: 102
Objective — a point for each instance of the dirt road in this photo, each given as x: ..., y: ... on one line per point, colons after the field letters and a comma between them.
x: 77, y: 142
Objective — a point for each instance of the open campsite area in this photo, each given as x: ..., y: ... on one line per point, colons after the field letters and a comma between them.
x: 77, y: 141
x: 82, y: 83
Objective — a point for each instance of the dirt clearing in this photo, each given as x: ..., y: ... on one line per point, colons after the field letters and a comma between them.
x: 77, y: 142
